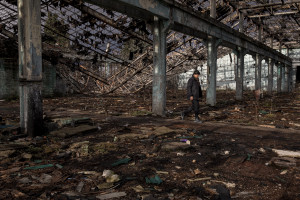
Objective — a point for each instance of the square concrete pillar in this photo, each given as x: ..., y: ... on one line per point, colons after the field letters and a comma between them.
x: 212, y: 50
x: 279, y: 77
x: 270, y: 75
x: 30, y: 66
x: 240, y: 74
x: 258, y: 72
x: 159, y: 68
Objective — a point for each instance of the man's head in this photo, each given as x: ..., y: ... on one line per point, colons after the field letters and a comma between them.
x: 196, y: 74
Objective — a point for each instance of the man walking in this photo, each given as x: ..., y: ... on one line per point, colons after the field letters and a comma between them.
x: 194, y: 93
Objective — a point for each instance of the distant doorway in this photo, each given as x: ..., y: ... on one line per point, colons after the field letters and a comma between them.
x: 298, y: 74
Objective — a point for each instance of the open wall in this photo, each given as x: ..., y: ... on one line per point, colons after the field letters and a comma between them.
x: 226, y: 72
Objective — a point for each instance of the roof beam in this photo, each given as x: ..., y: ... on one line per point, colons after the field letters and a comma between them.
x: 189, y: 22
x: 262, y: 6
x: 273, y: 14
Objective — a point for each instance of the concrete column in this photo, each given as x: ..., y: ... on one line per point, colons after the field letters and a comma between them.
x: 240, y: 74
x: 279, y: 71
x: 287, y: 86
x: 260, y: 32
x: 257, y: 72
x: 270, y: 71
x: 279, y: 77
x: 283, y: 79
x: 30, y: 66
x: 289, y: 83
x: 212, y: 50
x: 270, y: 75
x: 159, y: 68
x: 240, y: 63
x: 258, y: 62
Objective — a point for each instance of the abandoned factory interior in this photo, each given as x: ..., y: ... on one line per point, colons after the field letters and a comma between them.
x: 150, y: 99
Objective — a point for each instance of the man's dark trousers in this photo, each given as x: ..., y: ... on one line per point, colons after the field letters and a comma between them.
x: 194, y: 107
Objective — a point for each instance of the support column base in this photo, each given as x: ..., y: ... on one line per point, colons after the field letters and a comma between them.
x: 31, y: 109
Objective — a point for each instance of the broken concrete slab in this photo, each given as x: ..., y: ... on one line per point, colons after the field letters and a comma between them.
x: 26, y: 156
x: 80, y: 148
x: 14, y: 146
x: 103, y: 148
x: 133, y: 136
x: 45, y: 178
x: 7, y: 153
x: 284, y: 162
x: 9, y: 171
x: 72, y: 131
x: 61, y: 122
x: 111, y: 195
x: 287, y: 153
x: 24, y: 180
x: 162, y: 131
x: 174, y: 146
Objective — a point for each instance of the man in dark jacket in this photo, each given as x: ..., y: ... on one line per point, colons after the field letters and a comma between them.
x: 194, y: 93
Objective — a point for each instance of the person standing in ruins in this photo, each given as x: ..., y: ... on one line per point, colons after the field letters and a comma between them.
x: 194, y: 94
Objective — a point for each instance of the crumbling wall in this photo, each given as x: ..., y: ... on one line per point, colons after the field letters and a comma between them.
x: 8, y: 78
x: 9, y: 81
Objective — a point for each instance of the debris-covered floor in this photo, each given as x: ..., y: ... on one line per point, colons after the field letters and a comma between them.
x: 101, y: 148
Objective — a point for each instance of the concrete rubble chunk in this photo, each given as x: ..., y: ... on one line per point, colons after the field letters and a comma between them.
x: 6, y: 154
x: 174, y: 146
x: 287, y: 153
x: 72, y: 131
x: 79, y: 186
x: 148, y: 197
x: 162, y: 131
x: 25, y: 180
x: 45, y: 178
x: 71, y: 121
x: 285, y: 162
x: 111, y: 195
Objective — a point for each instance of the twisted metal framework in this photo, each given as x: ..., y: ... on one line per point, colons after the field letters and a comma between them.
x: 94, y: 60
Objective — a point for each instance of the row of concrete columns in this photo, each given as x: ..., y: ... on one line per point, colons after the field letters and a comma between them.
x: 159, y: 74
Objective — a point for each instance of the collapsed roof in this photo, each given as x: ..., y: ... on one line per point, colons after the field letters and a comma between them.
x: 103, y: 51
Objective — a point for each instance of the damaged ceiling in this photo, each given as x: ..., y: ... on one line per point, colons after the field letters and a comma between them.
x: 102, y: 51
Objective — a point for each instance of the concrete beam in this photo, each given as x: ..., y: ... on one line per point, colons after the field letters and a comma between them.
x: 191, y: 23
x: 159, y: 67
x: 30, y: 66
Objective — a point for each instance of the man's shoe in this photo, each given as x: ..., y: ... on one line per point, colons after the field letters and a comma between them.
x: 197, y: 120
x: 182, y: 116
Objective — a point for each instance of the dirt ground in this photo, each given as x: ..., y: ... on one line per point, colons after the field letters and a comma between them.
x: 230, y: 156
